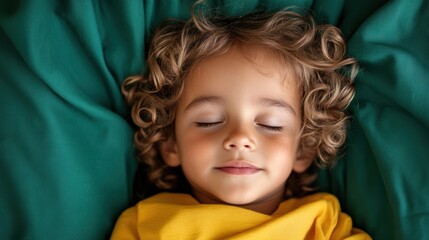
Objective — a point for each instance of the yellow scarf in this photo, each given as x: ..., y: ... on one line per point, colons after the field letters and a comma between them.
x: 180, y: 216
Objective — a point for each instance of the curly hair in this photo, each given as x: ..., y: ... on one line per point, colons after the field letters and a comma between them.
x: 315, y: 52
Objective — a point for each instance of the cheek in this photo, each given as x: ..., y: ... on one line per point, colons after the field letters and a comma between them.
x: 194, y: 148
x: 197, y: 156
x: 282, y: 152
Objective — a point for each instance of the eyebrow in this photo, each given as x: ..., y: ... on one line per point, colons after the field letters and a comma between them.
x: 271, y: 102
x: 203, y: 99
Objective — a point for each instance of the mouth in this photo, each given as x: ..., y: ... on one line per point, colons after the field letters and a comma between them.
x: 238, y: 168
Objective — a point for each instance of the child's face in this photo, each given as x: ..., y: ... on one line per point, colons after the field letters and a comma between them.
x: 237, y: 128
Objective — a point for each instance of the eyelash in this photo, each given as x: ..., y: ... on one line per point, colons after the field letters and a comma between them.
x: 271, y: 128
x: 207, y: 124
x: 213, y: 124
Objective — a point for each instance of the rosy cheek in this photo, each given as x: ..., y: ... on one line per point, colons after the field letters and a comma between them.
x: 281, y: 147
x: 198, y: 144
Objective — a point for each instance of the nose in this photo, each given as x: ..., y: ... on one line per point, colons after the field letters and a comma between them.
x: 239, y: 139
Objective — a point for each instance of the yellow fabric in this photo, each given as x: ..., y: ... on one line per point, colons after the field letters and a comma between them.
x: 180, y: 216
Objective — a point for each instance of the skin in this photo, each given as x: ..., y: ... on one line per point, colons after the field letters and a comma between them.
x: 237, y: 130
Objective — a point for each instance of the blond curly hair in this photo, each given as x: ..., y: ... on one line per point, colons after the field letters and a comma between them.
x: 316, y: 53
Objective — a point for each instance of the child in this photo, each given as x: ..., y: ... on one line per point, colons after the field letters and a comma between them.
x: 246, y: 109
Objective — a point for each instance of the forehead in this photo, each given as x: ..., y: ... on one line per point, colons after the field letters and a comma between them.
x: 242, y: 76
x: 263, y: 60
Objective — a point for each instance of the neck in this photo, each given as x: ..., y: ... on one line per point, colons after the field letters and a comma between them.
x: 267, y: 205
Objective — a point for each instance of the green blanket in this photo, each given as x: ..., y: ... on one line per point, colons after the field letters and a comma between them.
x: 66, y: 156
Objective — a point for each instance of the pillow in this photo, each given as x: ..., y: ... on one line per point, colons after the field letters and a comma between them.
x: 66, y: 154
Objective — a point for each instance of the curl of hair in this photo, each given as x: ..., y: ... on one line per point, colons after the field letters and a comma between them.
x: 316, y: 54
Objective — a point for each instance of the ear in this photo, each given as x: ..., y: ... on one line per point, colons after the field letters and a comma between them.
x: 304, y: 159
x: 169, y: 152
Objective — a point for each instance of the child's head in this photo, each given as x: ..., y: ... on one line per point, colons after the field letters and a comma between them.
x: 246, y: 106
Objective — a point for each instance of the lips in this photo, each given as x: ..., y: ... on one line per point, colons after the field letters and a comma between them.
x: 238, y: 168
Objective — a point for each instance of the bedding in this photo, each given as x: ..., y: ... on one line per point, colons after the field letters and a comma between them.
x: 66, y: 157
x: 180, y: 216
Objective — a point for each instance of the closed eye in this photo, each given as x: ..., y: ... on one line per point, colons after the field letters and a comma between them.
x: 206, y: 124
x: 271, y: 128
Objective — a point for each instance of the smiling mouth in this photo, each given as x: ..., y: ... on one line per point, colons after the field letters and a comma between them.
x: 238, y: 168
